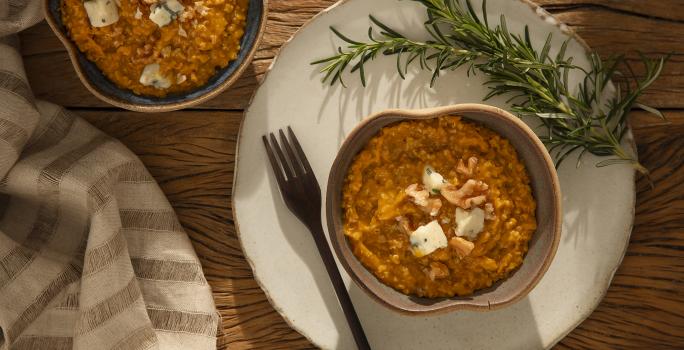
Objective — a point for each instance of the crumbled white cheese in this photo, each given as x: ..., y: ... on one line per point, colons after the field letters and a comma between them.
x: 427, y: 238
x: 432, y: 180
x: 164, y: 12
x: 174, y: 6
x: 101, y: 13
x: 138, y: 13
x: 469, y: 223
x: 180, y: 78
x: 159, y: 16
x: 151, y: 76
x: 182, y: 32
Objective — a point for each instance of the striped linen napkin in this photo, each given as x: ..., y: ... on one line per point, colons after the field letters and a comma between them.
x: 92, y: 255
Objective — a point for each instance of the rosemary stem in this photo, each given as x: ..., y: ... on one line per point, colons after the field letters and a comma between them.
x: 538, y: 83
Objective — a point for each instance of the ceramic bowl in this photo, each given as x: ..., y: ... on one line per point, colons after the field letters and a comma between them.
x: 546, y: 191
x: 107, y: 91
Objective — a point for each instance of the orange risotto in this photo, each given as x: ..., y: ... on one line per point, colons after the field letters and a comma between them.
x: 157, y: 47
x: 439, y: 207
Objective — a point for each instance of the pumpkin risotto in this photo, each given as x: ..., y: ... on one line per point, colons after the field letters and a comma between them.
x: 157, y: 47
x: 438, y: 207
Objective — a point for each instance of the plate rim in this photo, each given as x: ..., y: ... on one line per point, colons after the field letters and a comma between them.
x: 539, y: 11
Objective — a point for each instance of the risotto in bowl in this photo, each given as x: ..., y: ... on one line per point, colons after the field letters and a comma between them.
x: 158, y: 55
x: 449, y: 208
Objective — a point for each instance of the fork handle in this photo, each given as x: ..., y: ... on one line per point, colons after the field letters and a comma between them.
x: 340, y: 288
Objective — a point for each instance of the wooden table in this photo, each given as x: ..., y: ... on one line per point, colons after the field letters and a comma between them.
x: 191, y: 153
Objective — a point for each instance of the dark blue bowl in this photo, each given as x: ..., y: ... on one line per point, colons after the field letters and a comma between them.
x: 103, y: 88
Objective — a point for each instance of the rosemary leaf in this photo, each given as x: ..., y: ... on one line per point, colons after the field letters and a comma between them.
x: 538, y: 84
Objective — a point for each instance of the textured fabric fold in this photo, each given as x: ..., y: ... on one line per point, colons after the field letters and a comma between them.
x: 92, y: 256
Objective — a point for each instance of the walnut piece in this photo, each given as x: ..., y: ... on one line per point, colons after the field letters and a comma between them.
x: 433, y: 207
x: 404, y: 224
x: 461, y: 246
x: 467, y: 171
x: 489, y: 211
x: 438, y: 271
x: 471, y: 194
x: 421, y: 197
x: 201, y: 9
x: 187, y: 15
x: 418, y: 194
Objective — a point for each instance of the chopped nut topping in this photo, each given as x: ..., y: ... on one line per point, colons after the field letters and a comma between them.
x: 471, y: 194
x: 433, y: 206
x: 166, y: 51
x: 200, y: 8
x: 187, y: 15
x: 438, y: 271
x: 145, y: 50
x: 404, y: 224
x: 418, y: 194
x: 441, y: 254
x: 461, y: 246
x: 469, y: 170
x: 180, y: 78
x: 489, y: 211
x: 421, y: 197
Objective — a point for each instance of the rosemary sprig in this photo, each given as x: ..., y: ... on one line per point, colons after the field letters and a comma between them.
x: 577, y: 118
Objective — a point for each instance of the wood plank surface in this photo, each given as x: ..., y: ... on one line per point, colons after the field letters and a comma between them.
x: 644, y: 307
x: 192, y: 154
x: 610, y: 27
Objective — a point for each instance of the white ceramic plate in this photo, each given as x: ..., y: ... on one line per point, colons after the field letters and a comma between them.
x: 598, y: 203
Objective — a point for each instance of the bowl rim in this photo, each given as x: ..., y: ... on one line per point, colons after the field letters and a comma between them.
x: 429, y: 113
x: 72, y: 50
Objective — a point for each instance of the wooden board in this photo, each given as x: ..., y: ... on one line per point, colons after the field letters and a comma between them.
x: 192, y: 154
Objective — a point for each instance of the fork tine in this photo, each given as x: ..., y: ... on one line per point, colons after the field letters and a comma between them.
x: 293, y: 158
x: 300, y: 152
x: 274, y: 163
x: 281, y: 156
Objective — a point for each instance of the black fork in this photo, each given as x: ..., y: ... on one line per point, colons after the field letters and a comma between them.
x: 302, y: 195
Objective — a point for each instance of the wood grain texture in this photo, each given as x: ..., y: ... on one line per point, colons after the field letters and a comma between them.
x: 609, y: 26
x: 644, y: 307
x: 614, y: 27
x: 192, y: 154
x: 53, y: 78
